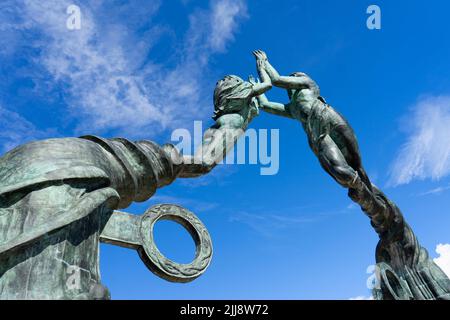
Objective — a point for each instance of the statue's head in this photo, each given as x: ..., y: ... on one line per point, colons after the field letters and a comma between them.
x: 291, y: 92
x: 231, y: 95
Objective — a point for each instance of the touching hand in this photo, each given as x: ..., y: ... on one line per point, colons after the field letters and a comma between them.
x: 260, y: 99
x: 261, y: 61
x: 260, y: 55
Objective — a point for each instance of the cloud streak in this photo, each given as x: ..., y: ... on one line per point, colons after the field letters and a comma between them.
x: 426, y: 153
x: 105, y: 70
x: 224, y: 22
x: 272, y: 224
x: 435, y: 191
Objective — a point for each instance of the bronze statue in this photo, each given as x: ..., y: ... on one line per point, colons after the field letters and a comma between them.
x: 403, y: 267
x: 58, y: 199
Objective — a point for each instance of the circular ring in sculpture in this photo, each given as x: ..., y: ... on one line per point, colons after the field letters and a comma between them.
x: 393, y: 283
x: 159, y: 264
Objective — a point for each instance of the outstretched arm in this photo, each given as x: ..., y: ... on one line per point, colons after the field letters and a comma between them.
x: 287, y: 82
x: 217, y: 142
x: 276, y: 108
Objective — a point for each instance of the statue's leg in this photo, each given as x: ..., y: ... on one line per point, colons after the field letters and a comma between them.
x: 345, y: 139
x: 333, y: 161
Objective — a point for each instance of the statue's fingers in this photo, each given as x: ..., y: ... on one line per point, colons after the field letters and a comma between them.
x: 263, y: 55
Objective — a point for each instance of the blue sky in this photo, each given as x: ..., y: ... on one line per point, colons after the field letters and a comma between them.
x: 140, y: 69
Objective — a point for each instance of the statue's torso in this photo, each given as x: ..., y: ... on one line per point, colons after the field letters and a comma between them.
x: 318, y: 118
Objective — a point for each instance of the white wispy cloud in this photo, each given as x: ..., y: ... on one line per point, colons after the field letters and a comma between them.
x: 426, y: 153
x: 269, y: 225
x: 224, y: 22
x: 272, y: 224
x: 104, y: 91
x: 362, y: 298
x: 352, y: 206
x: 105, y: 70
x: 435, y: 191
x: 443, y: 261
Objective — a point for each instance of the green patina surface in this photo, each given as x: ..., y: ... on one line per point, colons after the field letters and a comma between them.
x: 59, y: 198
x: 404, y: 268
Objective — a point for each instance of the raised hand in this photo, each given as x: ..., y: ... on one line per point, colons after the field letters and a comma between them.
x: 265, y: 84
x: 261, y: 59
x: 260, y: 55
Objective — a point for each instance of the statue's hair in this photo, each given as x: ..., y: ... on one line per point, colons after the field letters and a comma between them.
x: 229, y: 88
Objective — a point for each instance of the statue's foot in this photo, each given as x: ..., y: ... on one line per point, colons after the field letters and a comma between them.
x: 357, y: 188
x: 370, y: 203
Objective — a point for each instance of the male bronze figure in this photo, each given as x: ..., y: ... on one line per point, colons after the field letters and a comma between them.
x: 403, y: 267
